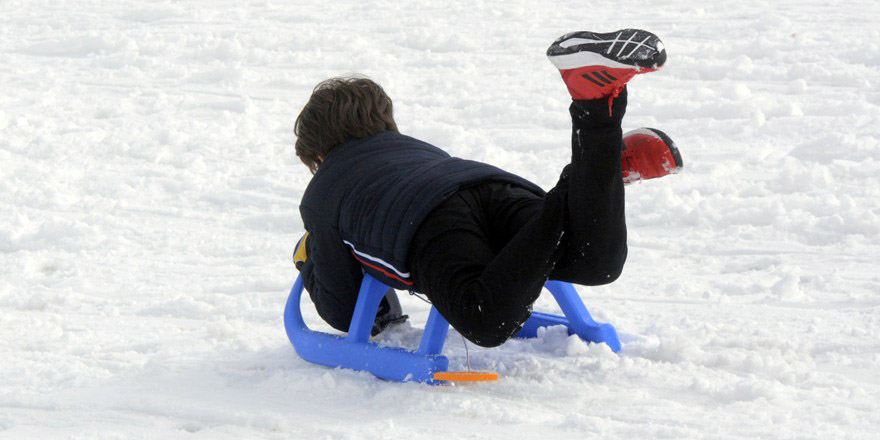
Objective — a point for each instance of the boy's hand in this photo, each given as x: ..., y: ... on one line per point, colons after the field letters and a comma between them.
x: 300, y: 252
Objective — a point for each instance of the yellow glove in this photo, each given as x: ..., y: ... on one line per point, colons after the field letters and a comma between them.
x: 301, y: 252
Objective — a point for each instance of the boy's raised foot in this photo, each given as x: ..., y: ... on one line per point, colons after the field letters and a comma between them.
x: 598, y: 65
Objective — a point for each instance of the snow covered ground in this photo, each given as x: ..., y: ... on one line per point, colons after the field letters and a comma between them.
x: 149, y: 192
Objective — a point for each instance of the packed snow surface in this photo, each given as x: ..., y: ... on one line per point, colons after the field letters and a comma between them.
x: 149, y: 202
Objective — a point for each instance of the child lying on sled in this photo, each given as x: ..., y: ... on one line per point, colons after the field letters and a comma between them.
x: 478, y: 241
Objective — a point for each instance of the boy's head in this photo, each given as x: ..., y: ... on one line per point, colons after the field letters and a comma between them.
x: 340, y: 109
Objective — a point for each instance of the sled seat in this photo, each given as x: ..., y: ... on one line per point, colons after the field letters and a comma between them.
x: 354, y: 351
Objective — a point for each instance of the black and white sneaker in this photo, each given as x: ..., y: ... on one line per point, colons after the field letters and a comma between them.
x: 595, y: 65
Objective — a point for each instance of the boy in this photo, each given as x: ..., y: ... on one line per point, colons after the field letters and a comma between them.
x: 478, y: 241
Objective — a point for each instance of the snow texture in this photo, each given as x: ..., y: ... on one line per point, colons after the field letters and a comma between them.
x: 149, y: 203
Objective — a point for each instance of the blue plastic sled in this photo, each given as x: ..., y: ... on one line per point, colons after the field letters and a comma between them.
x: 354, y: 351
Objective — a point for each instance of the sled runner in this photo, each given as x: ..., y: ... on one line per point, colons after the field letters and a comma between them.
x: 426, y: 364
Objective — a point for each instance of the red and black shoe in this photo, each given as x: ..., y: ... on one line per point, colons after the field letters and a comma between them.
x: 648, y: 153
x: 595, y: 65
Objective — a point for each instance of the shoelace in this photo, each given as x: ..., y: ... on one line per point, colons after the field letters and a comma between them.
x: 613, y: 95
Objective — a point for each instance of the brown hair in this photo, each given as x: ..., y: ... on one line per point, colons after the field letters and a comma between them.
x: 340, y: 109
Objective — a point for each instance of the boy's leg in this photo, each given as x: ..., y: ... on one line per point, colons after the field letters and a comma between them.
x: 597, y: 67
x: 594, y: 242
x: 578, y: 234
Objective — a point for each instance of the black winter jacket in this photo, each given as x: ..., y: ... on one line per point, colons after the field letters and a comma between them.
x: 363, y: 207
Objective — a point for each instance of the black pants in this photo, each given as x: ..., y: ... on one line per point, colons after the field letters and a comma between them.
x: 483, y: 256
